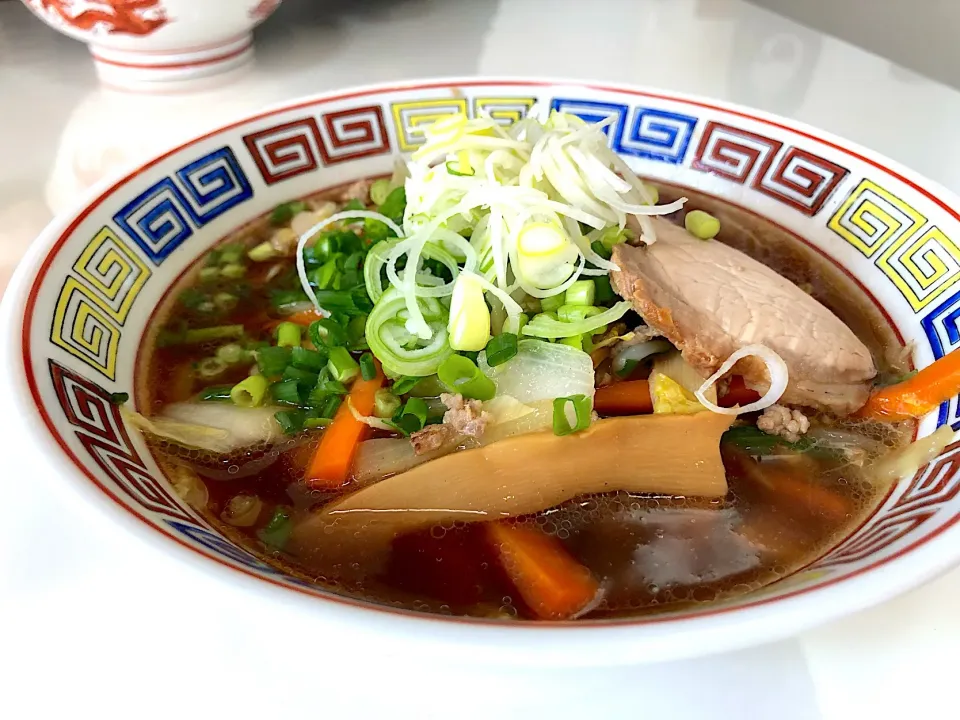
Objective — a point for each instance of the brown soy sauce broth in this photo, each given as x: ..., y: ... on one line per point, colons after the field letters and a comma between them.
x: 650, y: 553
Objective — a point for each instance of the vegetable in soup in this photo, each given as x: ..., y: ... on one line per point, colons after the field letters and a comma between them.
x: 510, y: 382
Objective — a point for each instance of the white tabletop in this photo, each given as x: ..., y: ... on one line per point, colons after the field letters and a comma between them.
x: 91, y: 618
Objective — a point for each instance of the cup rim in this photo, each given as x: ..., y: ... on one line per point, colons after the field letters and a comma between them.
x: 668, y: 636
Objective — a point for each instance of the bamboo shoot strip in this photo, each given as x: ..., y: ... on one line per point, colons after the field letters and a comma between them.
x: 664, y: 454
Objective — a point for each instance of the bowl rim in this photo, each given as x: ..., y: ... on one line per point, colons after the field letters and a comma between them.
x: 663, y: 637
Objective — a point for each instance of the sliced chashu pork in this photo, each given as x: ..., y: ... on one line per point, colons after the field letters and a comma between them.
x: 710, y: 299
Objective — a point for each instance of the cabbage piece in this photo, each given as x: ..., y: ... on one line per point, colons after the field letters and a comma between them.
x: 906, y: 461
x: 674, y: 383
x: 542, y: 371
x: 220, y: 428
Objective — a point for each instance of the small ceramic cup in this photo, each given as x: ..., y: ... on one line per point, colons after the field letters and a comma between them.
x: 148, y: 44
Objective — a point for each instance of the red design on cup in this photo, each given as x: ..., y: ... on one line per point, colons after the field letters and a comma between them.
x: 130, y: 17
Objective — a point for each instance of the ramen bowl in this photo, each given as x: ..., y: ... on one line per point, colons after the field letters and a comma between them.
x: 82, y: 302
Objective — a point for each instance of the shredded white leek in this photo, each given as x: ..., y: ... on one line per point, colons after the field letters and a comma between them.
x: 776, y: 369
x: 520, y: 194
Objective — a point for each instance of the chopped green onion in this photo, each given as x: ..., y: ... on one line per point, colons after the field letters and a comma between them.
x: 198, y: 336
x: 286, y: 392
x: 582, y: 292
x: 231, y: 254
x: 501, y: 348
x: 379, y: 190
x: 756, y: 442
x: 404, y: 384
x: 701, y: 225
x: 604, y: 291
x: 385, y: 404
x: 282, y: 214
x: 543, y: 326
x: 305, y: 359
x: 356, y: 330
x: 209, y: 368
x: 368, y: 368
x: 461, y: 375
x: 273, y: 360
x: 216, y: 393
x: 327, y: 406
x: 452, y: 169
x: 119, y: 398
x: 250, y: 392
x: 600, y: 249
x: 325, y: 246
x: 361, y: 301
x: 628, y: 367
x: 353, y: 204
x: 613, y: 236
x: 306, y: 378
x: 326, y: 385
x: 313, y: 423
x: 262, y: 252
x: 234, y: 271
x: 324, y: 276
x: 191, y: 298
x: 277, y: 532
x: 399, y: 351
x: 289, y: 335
x: 338, y: 301
x: 225, y: 301
x: 888, y: 379
x: 427, y: 387
x: 342, y: 367
x: 395, y: 204
x: 209, y: 274
x: 574, y: 341
x: 549, y: 304
x: 232, y: 354
x: 281, y: 299
x: 326, y: 332
x: 413, y: 416
x: 515, y: 324
x: 376, y: 231
x: 576, y: 313
x: 571, y: 414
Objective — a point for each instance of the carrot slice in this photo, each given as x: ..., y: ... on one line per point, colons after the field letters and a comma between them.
x: 304, y: 317
x: 738, y: 394
x: 788, y: 485
x: 919, y: 395
x: 550, y: 581
x: 331, y: 463
x: 631, y: 397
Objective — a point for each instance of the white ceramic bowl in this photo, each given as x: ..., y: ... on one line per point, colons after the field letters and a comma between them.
x: 147, y: 44
x: 76, y: 312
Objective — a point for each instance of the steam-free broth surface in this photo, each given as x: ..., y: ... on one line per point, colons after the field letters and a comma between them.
x: 647, y: 552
